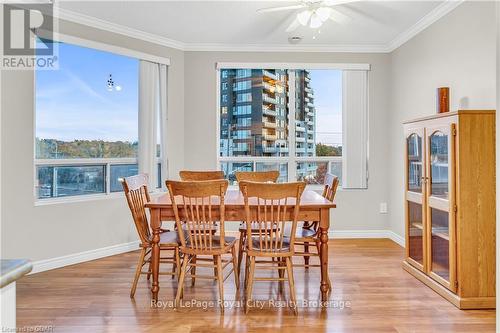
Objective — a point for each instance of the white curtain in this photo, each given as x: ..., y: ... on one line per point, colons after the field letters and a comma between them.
x: 152, y: 109
x: 355, y: 129
x: 163, y: 118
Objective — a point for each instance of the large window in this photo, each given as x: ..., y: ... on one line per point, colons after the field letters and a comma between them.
x: 86, y: 123
x: 281, y: 119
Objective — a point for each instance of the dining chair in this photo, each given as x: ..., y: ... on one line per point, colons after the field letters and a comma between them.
x: 198, y: 206
x: 277, y: 222
x: 259, y: 176
x: 187, y: 175
x: 136, y: 192
x: 308, y: 233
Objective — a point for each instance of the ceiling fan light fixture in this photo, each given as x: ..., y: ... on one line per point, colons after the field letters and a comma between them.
x: 316, y: 21
x: 304, y: 16
x: 323, y: 13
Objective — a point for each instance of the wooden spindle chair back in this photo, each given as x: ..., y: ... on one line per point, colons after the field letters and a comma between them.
x: 276, y: 213
x: 200, y: 175
x: 258, y: 176
x: 136, y: 192
x: 331, y: 183
x: 198, y: 207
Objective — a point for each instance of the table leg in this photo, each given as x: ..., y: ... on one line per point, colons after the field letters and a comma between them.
x: 323, y: 227
x: 155, y: 252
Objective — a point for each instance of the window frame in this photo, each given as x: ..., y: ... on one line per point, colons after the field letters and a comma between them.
x: 121, y: 51
x: 291, y: 159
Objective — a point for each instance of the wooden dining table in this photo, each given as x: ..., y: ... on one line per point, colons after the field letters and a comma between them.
x: 313, y: 207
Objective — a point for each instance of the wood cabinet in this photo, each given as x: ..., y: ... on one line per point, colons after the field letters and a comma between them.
x: 450, y: 205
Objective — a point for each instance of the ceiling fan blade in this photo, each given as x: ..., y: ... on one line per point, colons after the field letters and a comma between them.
x: 293, y: 26
x: 278, y: 9
x: 338, y: 17
x: 330, y: 3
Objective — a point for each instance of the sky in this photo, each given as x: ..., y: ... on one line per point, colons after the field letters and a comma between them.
x: 73, y: 102
x: 327, y: 86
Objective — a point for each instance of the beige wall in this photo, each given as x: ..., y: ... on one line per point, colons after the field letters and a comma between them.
x: 358, y: 209
x: 60, y: 229
x: 457, y: 51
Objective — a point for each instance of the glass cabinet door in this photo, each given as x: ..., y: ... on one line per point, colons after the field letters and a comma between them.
x: 415, y: 198
x: 440, y: 206
x: 439, y: 162
x: 415, y: 157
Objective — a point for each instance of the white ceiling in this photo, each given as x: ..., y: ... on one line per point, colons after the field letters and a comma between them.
x: 375, y: 26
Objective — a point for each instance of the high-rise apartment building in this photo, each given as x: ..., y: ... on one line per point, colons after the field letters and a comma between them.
x: 254, y: 115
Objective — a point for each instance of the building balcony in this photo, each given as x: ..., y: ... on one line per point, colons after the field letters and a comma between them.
x: 300, y: 150
x: 300, y: 139
x: 310, y: 113
x: 269, y: 74
x: 266, y: 149
x: 310, y: 123
x: 269, y: 112
x: 310, y: 140
x: 267, y: 98
x: 269, y: 87
x: 282, y: 149
x: 269, y: 137
x: 309, y: 104
x: 299, y: 127
x: 268, y: 124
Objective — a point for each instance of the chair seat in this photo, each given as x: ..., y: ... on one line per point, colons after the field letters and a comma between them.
x: 255, y: 227
x: 256, y: 245
x: 228, y: 241
x: 305, y: 233
x: 167, y: 239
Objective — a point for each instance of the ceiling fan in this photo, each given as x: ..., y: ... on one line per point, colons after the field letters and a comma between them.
x: 312, y: 13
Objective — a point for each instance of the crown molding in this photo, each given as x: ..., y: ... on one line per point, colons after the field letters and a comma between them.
x: 94, y: 22
x: 422, y: 24
x: 389, y: 47
x: 347, y: 48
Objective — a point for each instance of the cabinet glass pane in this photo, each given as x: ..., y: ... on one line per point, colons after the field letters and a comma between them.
x: 415, y: 231
x: 439, y: 164
x: 414, y: 146
x: 440, y: 246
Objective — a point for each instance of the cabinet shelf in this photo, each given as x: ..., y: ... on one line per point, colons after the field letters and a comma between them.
x: 417, y: 225
x: 441, y: 234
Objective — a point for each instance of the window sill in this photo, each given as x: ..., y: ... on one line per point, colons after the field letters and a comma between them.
x: 79, y: 198
x: 89, y: 197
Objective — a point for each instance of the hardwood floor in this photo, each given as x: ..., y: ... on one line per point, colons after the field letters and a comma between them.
x: 379, y: 296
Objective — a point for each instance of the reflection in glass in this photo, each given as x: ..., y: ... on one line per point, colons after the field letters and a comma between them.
x: 62, y: 181
x: 415, y: 231
x: 268, y: 166
x: 439, y: 164
x: 414, y: 146
x: 312, y: 172
x: 440, y: 243
x: 121, y: 171
x: 336, y: 169
x: 230, y: 168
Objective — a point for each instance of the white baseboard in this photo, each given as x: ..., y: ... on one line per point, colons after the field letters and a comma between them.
x: 367, y: 234
x: 76, y: 258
